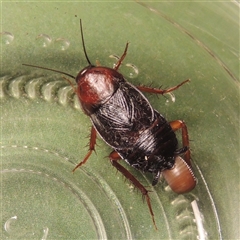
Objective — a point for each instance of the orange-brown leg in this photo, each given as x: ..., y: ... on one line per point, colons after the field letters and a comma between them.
x: 114, y: 157
x: 122, y: 58
x: 92, y: 144
x: 161, y: 91
x: 176, y: 125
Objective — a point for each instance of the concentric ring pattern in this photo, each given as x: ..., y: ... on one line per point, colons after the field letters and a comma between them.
x: 43, y: 199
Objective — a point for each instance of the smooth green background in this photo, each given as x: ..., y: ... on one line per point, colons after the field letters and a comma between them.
x: 44, y: 133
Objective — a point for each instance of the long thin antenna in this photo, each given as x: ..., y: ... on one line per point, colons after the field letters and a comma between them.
x: 50, y: 69
x: 83, y: 43
x: 53, y: 70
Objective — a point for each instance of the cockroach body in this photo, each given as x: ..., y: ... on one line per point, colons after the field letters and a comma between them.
x: 123, y: 117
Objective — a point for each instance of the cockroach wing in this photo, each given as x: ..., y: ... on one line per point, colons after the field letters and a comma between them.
x: 123, y: 117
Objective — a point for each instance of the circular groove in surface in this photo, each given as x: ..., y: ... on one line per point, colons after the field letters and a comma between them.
x: 65, y: 183
x: 80, y: 195
x: 57, y: 91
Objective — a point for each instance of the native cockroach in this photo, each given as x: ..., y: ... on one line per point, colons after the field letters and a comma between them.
x: 123, y: 117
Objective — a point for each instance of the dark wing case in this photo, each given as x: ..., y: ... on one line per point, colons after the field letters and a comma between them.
x: 124, y: 117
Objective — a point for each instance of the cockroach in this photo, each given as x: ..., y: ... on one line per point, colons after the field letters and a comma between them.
x: 123, y: 117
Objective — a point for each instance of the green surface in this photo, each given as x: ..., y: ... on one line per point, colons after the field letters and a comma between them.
x: 44, y: 133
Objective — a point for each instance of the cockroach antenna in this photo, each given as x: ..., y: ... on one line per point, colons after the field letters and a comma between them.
x: 83, y: 44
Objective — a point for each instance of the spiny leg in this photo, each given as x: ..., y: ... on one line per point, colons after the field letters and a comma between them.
x: 122, y: 58
x: 92, y: 144
x: 176, y: 125
x: 160, y: 91
x: 114, y: 158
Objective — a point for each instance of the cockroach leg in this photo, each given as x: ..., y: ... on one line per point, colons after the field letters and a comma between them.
x: 98, y: 64
x: 92, y: 144
x: 114, y: 158
x: 122, y: 58
x: 160, y: 91
x: 176, y: 125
